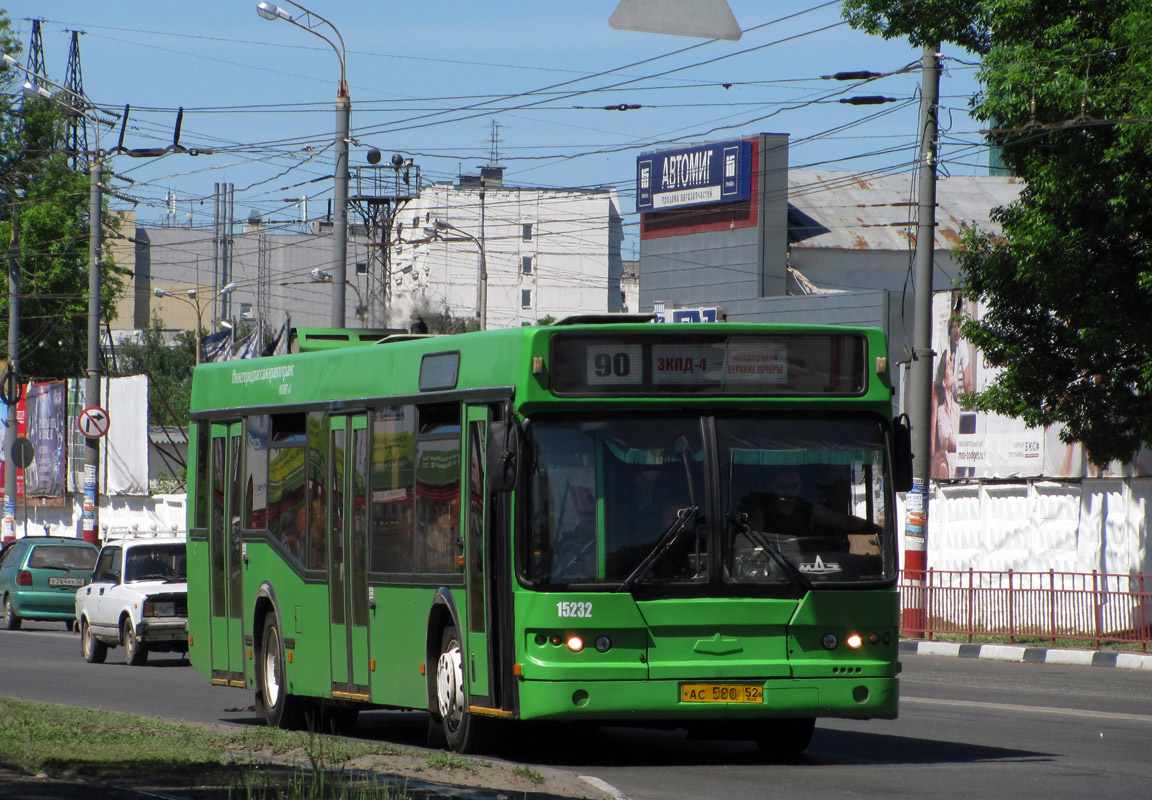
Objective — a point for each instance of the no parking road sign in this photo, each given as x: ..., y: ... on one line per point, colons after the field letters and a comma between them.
x: 93, y: 422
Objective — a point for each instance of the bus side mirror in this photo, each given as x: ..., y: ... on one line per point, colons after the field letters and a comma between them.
x: 503, y: 449
x: 901, y: 454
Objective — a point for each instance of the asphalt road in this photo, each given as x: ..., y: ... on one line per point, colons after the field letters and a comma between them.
x: 967, y: 728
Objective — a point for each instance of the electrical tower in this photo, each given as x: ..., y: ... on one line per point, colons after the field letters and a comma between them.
x: 494, y: 153
x: 379, y: 190
x: 263, y: 275
x: 77, y: 140
x: 36, y: 51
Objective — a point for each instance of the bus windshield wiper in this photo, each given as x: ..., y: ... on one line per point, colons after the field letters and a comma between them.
x: 683, y: 515
x: 773, y: 551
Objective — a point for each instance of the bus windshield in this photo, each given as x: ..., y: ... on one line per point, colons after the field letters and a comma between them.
x: 760, y: 502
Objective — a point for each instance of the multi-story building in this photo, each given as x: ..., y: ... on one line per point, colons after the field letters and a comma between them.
x: 546, y: 253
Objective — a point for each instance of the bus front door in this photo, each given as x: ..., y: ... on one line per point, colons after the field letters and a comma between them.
x: 479, y: 586
x: 348, y: 557
x: 225, y: 568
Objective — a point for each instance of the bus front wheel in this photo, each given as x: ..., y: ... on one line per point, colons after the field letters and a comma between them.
x: 278, y: 708
x: 465, y: 732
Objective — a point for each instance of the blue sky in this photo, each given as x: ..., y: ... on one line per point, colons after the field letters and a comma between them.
x: 428, y: 79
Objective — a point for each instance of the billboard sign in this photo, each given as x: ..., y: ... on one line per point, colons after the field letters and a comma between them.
x: 969, y: 444
x: 713, y: 173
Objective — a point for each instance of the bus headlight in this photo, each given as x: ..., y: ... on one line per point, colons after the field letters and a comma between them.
x: 854, y: 641
x: 829, y: 641
x: 575, y: 644
x: 603, y: 644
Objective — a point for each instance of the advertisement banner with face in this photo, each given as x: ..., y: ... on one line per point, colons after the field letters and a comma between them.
x: 973, y: 444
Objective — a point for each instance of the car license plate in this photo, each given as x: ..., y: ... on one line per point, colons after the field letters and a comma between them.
x: 65, y: 581
x: 721, y: 693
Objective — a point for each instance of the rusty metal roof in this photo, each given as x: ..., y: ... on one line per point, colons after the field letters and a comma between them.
x: 849, y: 210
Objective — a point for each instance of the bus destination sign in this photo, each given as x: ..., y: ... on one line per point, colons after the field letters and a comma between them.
x: 738, y: 364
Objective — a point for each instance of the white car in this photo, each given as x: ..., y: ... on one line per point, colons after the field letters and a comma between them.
x: 138, y: 598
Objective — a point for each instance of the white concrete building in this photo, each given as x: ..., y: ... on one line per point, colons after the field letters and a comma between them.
x: 548, y: 252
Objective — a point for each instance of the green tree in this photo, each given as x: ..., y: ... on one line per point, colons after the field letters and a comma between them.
x: 48, y: 202
x: 168, y: 365
x: 1068, y: 287
x: 923, y: 22
x: 440, y: 319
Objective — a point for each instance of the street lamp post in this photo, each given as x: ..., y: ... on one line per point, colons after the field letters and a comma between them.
x: 482, y: 301
x: 310, y: 21
x: 193, y: 299
x: 323, y: 276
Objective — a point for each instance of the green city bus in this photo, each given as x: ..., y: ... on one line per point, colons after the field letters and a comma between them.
x: 600, y: 520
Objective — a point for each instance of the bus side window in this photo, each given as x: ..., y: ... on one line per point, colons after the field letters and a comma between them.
x: 255, y: 511
x: 203, y: 459
x: 316, y: 547
x: 437, y: 500
x: 391, y: 545
x: 287, y: 515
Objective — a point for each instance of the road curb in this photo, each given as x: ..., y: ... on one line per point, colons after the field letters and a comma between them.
x: 1028, y: 655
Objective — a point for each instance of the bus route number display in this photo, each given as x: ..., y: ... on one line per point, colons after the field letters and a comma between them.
x: 747, y: 364
x: 615, y: 364
x: 731, y: 364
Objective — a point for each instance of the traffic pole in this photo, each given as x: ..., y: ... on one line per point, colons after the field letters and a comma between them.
x: 91, y: 514
x: 920, y: 377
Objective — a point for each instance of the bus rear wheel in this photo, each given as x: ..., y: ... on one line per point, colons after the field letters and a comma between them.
x: 275, y: 705
x: 785, y: 738
x: 465, y: 732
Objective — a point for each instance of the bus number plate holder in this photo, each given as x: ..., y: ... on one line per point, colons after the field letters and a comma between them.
x: 721, y: 693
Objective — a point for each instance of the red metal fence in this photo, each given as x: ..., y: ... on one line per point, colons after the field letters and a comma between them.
x: 1094, y: 607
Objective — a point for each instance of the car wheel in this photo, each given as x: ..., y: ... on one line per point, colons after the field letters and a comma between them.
x: 93, y: 649
x: 465, y: 732
x: 11, y: 621
x: 785, y: 738
x: 135, y: 653
x: 273, y: 702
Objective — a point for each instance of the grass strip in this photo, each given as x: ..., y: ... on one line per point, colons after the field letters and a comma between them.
x: 63, y: 742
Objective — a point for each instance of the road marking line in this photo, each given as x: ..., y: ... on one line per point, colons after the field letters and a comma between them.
x: 603, y: 786
x: 1066, y: 712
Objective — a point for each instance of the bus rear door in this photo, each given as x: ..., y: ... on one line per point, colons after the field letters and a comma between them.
x: 348, y: 557
x: 226, y: 579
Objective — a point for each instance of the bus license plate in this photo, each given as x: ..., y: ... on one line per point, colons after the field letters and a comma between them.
x: 721, y: 693
x: 65, y: 581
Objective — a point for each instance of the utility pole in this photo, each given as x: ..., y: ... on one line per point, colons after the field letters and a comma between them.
x: 482, y: 291
x: 340, y: 204
x: 91, y: 518
x: 920, y: 374
x: 9, y: 531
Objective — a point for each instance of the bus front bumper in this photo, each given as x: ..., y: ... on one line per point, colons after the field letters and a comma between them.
x: 627, y: 701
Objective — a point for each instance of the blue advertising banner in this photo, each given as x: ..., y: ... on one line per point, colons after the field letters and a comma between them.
x: 45, y: 420
x: 713, y: 173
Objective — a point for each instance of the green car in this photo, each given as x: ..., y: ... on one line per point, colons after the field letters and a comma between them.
x: 39, y: 576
